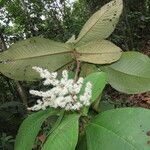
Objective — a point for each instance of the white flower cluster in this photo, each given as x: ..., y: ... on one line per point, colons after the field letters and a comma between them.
x: 64, y: 94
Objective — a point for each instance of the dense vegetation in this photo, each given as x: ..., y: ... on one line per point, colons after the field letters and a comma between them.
x: 59, y: 20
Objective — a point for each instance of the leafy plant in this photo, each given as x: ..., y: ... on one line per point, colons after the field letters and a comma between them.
x: 5, y: 141
x: 54, y: 55
x: 127, y: 72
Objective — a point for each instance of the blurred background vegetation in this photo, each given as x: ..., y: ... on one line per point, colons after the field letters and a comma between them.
x: 59, y: 20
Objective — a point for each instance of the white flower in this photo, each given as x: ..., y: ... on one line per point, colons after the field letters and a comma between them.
x: 64, y: 94
x: 65, y: 75
x: 80, y: 80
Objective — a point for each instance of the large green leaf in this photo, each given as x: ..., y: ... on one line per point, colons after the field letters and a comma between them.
x: 65, y: 136
x: 102, y: 23
x: 99, y: 52
x: 131, y: 74
x: 120, y: 129
x: 18, y: 60
x: 30, y: 128
x: 98, y: 81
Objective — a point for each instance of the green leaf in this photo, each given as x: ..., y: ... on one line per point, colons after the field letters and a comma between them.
x: 131, y: 74
x: 120, y: 129
x: 65, y: 136
x: 101, y: 24
x: 98, y: 81
x: 99, y: 52
x: 29, y: 129
x: 18, y: 60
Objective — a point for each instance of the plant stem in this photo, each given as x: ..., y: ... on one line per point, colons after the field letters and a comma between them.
x: 21, y: 93
x: 77, y: 71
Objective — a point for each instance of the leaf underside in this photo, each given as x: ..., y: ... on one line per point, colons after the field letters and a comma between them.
x: 18, y: 60
x: 99, y: 52
x: 131, y: 74
x: 101, y: 24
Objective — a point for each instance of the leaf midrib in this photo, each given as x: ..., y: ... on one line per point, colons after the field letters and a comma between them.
x: 100, y: 53
x: 32, y: 57
x: 54, y: 134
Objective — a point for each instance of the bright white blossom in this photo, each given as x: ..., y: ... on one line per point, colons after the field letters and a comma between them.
x: 64, y: 94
